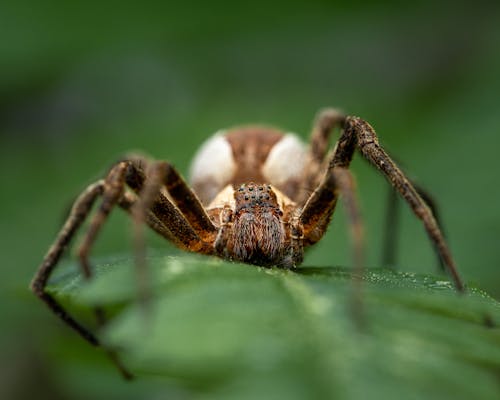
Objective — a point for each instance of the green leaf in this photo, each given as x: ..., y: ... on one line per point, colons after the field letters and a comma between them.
x: 226, y: 330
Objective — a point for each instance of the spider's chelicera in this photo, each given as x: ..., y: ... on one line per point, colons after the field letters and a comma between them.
x: 257, y: 195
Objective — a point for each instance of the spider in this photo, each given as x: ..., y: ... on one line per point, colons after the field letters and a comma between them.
x: 257, y: 196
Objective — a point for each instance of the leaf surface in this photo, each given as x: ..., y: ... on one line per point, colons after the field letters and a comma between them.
x: 224, y: 330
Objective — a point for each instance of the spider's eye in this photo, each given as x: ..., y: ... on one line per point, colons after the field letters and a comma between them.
x: 246, y: 197
x: 250, y: 188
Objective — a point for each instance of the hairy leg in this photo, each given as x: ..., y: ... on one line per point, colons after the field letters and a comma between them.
x: 164, y: 197
x: 112, y: 191
x: 78, y: 214
x: 185, y: 199
x: 179, y: 213
x: 359, y: 134
x: 392, y: 226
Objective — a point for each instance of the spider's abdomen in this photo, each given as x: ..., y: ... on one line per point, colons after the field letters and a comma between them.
x: 248, y: 154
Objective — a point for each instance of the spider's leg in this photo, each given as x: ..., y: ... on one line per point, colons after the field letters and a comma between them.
x: 187, y: 201
x: 316, y: 215
x: 79, y: 212
x: 177, y: 215
x: 431, y: 203
x: 153, y: 207
x: 391, y: 230
x: 296, y: 240
x: 113, y: 189
x: 324, y: 123
x: 326, y: 120
x: 358, y: 133
x: 225, y: 222
x: 128, y: 203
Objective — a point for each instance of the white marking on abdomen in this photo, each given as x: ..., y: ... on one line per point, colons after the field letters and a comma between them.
x: 285, y: 161
x: 213, y: 165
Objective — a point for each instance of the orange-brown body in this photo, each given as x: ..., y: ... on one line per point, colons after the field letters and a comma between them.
x: 253, y: 190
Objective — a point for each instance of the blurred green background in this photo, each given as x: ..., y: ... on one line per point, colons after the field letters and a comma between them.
x: 81, y: 83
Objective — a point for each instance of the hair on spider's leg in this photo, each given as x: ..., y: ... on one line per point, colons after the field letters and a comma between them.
x: 185, y: 224
x: 296, y: 241
x: 188, y: 203
x: 161, y: 216
x: 431, y: 203
x: 392, y: 226
x: 113, y: 189
x: 358, y: 133
x: 225, y: 222
x: 80, y: 210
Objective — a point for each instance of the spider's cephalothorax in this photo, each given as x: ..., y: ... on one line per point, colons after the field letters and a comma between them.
x: 257, y: 233
x: 257, y: 195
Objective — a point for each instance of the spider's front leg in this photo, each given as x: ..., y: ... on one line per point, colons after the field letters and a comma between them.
x: 185, y: 224
x: 357, y: 133
x: 164, y: 194
x: 78, y: 214
x: 363, y: 135
x: 170, y: 207
x: 111, y: 190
